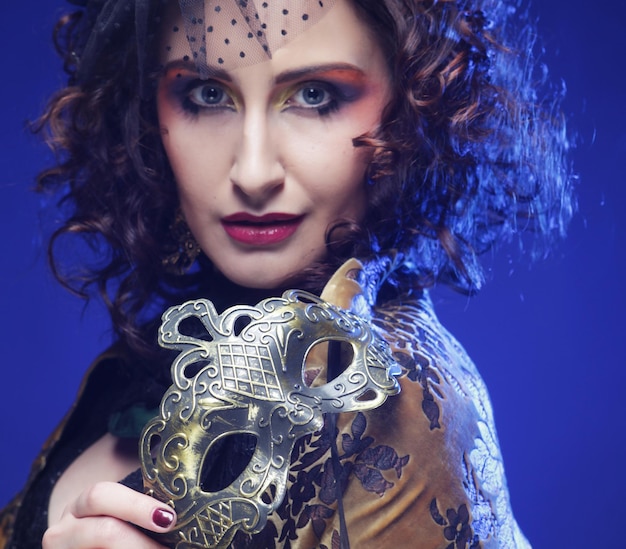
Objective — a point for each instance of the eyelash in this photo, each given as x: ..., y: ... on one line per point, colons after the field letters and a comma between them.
x: 187, y: 90
x: 195, y: 107
x: 331, y: 105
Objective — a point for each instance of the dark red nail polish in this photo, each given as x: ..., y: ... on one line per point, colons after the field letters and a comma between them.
x: 162, y: 517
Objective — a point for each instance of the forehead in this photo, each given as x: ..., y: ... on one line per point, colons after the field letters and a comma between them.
x: 235, y: 33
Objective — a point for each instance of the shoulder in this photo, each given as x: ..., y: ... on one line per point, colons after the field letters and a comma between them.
x: 428, y: 353
x: 452, y: 430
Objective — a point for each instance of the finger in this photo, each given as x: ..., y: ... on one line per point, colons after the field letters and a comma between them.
x: 101, y: 532
x: 115, y: 500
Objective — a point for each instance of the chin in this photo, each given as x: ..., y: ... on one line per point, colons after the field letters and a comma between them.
x: 274, y: 272
x: 254, y: 282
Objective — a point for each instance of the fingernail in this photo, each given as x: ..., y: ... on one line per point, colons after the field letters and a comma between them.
x: 163, y: 517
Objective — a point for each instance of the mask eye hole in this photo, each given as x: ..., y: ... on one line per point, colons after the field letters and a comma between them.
x: 154, y: 443
x: 192, y: 369
x: 192, y: 326
x: 367, y: 396
x: 325, y: 361
x: 269, y: 495
x: 240, y: 324
x: 225, y: 460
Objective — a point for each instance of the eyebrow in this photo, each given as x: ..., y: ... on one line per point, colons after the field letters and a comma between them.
x: 283, y: 77
x: 187, y: 64
x: 296, y: 74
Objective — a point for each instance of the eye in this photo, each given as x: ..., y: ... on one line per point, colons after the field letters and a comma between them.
x: 312, y: 95
x: 209, y: 95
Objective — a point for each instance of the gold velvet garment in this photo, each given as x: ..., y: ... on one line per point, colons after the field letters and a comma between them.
x: 422, y: 471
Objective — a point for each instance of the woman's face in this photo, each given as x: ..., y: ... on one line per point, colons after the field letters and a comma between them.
x: 263, y: 154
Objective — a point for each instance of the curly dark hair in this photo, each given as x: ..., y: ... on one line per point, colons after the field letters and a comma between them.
x: 467, y: 154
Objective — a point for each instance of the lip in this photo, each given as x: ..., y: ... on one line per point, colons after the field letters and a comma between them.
x: 263, y: 230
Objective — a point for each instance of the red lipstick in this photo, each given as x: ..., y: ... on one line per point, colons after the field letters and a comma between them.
x: 263, y: 230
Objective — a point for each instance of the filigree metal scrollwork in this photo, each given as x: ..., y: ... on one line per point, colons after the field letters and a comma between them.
x: 250, y: 380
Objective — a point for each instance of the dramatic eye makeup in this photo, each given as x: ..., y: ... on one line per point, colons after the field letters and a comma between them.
x: 322, y: 90
x: 309, y: 91
x: 194, y: 96
x: 206, y: 94
x: 319, y: 97
x: 182, y: 87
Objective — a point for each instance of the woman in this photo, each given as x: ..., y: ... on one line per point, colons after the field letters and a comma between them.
x: 231, y: 150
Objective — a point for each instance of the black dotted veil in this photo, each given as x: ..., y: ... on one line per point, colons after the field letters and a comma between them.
x: 244, y: 32
x: 232, y: 32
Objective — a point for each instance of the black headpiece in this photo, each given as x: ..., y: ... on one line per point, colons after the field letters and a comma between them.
x: 232, y: 32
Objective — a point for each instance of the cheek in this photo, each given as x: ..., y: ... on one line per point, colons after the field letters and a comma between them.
x: 331, y: 171
x: 192, y: 155
x: 194, y: 182
x: 172, y: 133
x: 325, y: 152
x: 342, y: 166
x: 353, y: 191
x: 190, y: 144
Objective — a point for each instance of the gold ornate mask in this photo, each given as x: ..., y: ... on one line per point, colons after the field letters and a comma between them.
x: 251, y: 380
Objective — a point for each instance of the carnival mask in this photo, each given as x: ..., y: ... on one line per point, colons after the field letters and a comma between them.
x: 245, y: 375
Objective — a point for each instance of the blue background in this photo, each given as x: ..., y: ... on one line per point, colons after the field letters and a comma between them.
x: 549, y: 338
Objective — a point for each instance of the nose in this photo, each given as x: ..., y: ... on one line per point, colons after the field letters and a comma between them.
x: 257, y: 172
